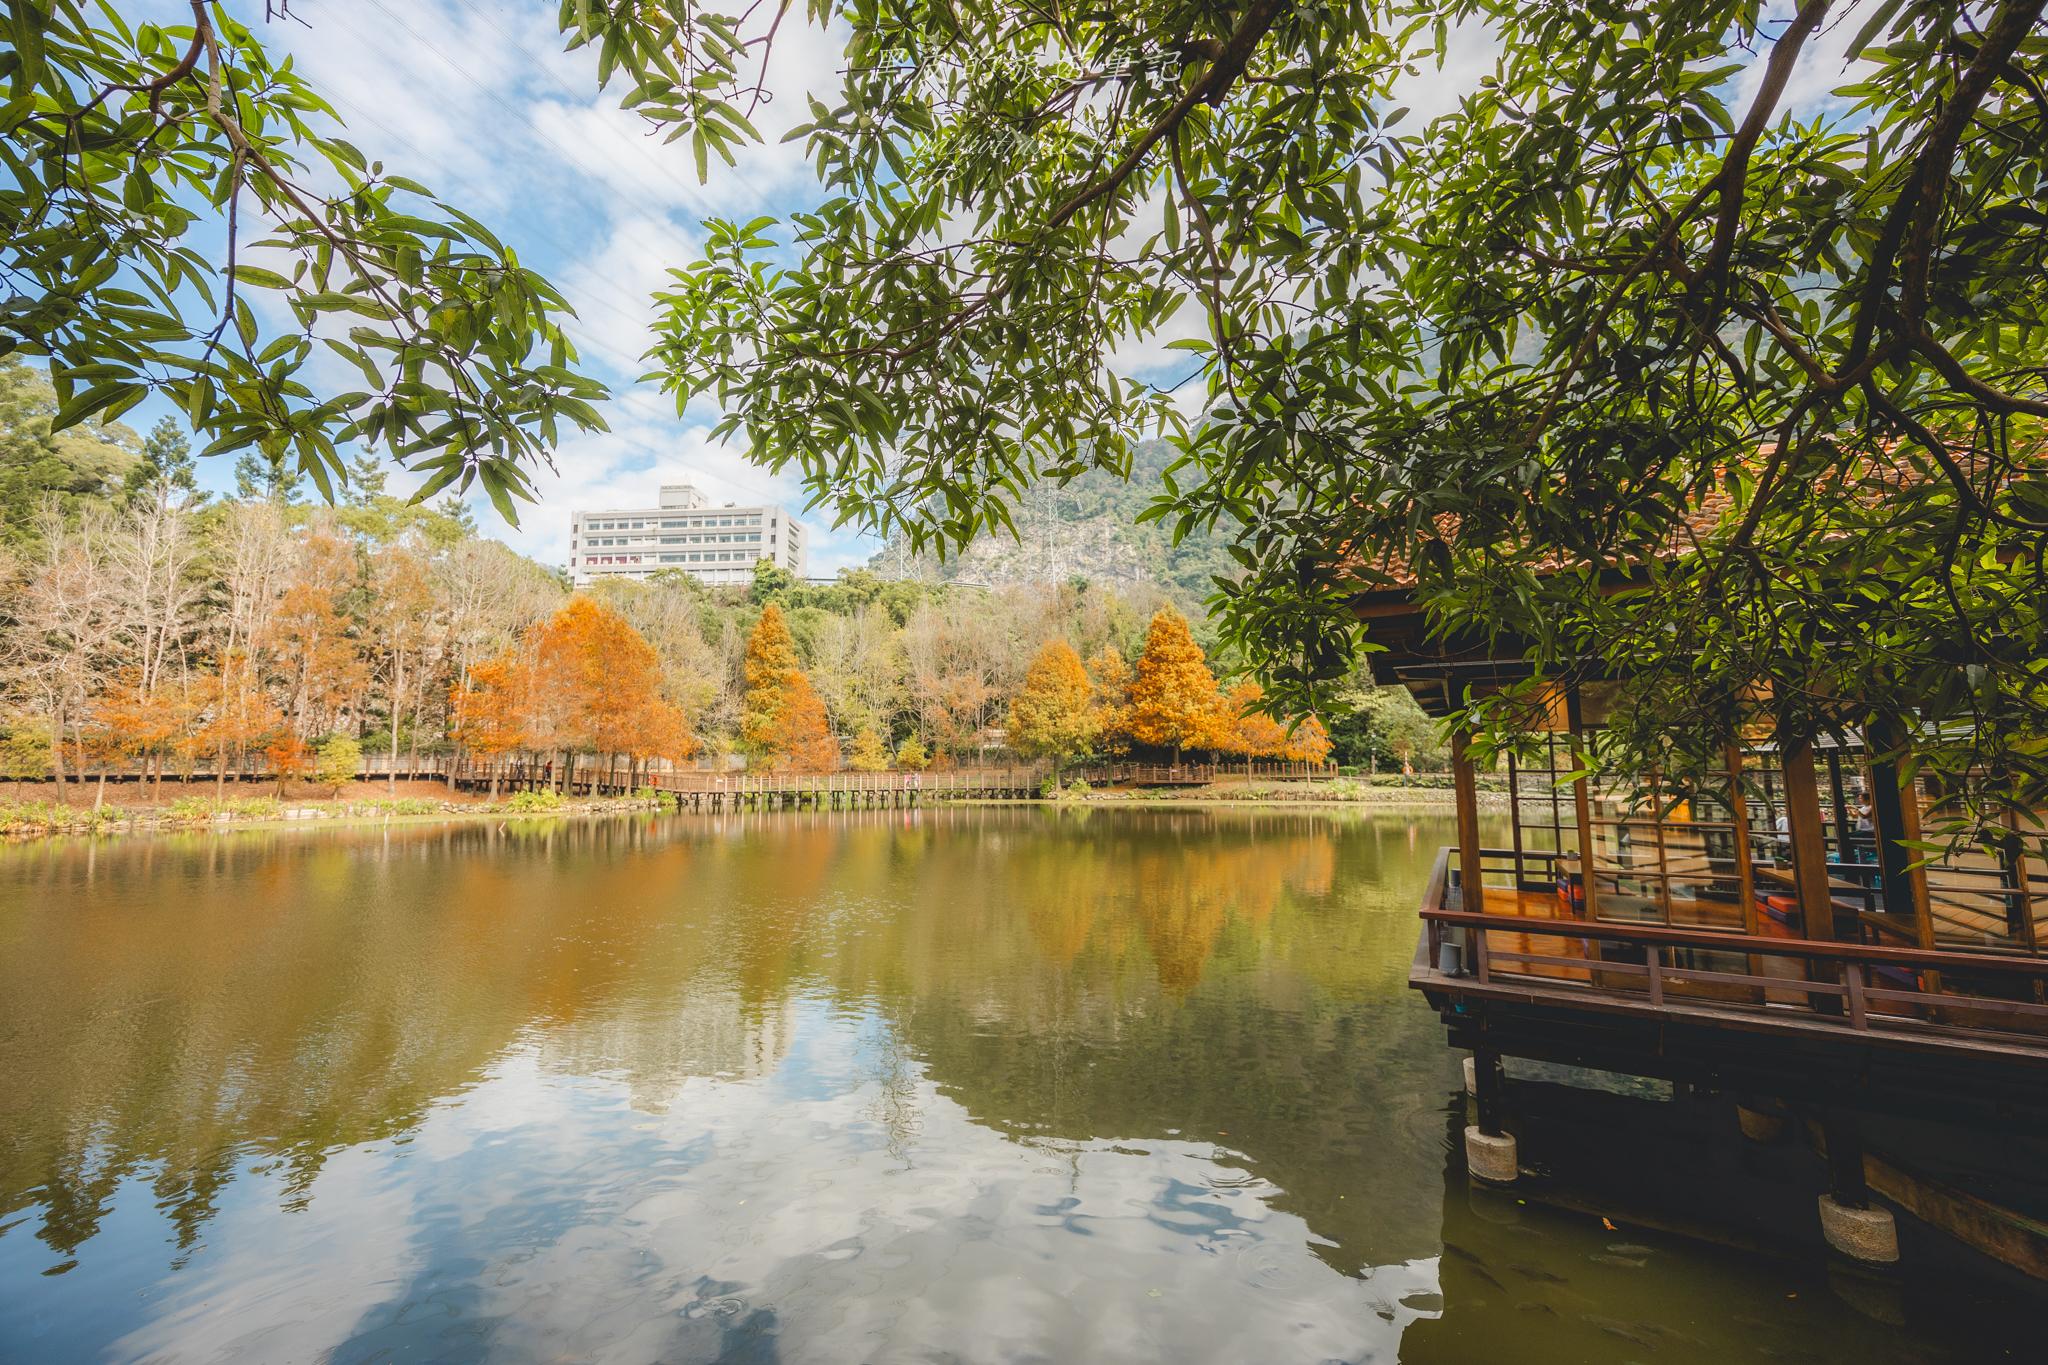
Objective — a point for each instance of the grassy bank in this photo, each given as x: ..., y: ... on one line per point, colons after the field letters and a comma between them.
x: 31, y: 816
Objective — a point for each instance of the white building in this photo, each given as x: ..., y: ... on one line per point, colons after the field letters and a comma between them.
x: 715, y: 544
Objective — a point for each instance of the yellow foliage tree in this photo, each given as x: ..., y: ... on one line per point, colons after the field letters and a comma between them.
x: 869, y: 754
x: 1174, y: 701
x: 1053, y: 716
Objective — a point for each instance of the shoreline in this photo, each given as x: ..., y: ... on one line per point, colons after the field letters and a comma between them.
x: 24, y: 822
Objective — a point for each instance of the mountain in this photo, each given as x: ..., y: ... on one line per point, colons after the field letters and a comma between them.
x: 1086, y: 529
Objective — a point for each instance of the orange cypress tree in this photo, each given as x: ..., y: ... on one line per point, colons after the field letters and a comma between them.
x: 289, y: 757
x: 1174, y: 700
x: 237, y: 712
x: 770, y: 661
x: 1252, y: 733
x: 800, y: 738
x: 1053, y: 715
x: 597, y: 685
x: 1110, y: 677
x: 491, y: 711
x: 782, y: 718
x: 141, y: 723
x: 1308, y: 742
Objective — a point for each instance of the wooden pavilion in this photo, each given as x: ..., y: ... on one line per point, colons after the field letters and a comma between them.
x: 1765, y: 928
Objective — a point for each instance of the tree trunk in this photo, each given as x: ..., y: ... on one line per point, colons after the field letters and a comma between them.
x: 397, y: 693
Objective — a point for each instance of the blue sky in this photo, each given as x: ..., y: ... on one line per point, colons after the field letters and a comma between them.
x: 477, y: 99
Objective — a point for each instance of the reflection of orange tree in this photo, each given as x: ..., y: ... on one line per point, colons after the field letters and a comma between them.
x: 265, y: 1003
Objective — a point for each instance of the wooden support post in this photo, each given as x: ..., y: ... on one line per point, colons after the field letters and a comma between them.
x: 1845, y: 1162
x: 1887, y: 803
x: 1582, y: 798
x: 1745, y: 871
x: 1488, y: 1090
x: 1809, y: 838
x: 1472, y: 895
x: 1515, y: 815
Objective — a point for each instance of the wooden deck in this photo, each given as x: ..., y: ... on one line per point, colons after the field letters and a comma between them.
x: 1873, y: 1024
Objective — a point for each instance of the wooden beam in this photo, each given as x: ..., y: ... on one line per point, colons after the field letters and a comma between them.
x: 1473, y: 894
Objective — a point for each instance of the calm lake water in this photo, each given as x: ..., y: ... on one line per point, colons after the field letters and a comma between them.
x: 950, y: 1085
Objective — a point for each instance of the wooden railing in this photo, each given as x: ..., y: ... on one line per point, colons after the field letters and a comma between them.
x: 1873, y: 989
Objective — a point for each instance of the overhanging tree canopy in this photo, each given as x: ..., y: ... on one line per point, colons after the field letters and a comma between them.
x: 1621, y: 304
x: 126, y: 149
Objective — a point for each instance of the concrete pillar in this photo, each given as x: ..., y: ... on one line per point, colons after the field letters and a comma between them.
x: 1491, y: 1156
x: 1869, y: 1235
x: 1759, y: 1126
x: 1489, y: 1148
x: 1851, y: 1223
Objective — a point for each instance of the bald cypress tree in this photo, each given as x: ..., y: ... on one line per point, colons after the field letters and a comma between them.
x: 1174, y: 698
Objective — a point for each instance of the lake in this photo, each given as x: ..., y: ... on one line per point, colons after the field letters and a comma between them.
x: 974, y: 1084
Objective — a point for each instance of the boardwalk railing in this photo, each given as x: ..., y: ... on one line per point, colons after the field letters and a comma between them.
x: 1910, y: 995
x: 1009, y: 780
x: 736, y: 790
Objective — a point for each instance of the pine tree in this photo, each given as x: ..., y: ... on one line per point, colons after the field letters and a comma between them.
x: 166, y: 463
x: 1174, y: 697
x: 1053, y: 715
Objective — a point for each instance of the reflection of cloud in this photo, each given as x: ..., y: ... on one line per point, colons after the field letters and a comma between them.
x: 286, y: 1288
x: 627, y: 1089
x: 617, y: 1236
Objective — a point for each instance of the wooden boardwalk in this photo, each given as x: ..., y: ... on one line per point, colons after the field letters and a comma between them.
x: 690, y: 789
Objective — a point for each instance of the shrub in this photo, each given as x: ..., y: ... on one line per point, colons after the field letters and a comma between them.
x: 198, y: 809
x: 46, y: 817
x: 647, y: 794
x: 340, y: 759
x: 529, y: 803
x: 25, y: 750
x: 400, y: 805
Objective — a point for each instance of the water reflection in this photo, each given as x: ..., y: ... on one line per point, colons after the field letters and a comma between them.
x: 967, y: 1084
